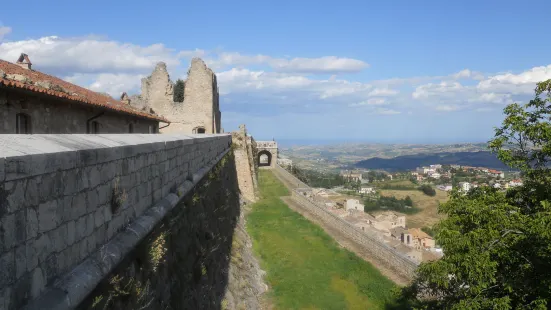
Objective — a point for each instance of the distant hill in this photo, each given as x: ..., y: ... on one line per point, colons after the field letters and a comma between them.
x: 410, y: 162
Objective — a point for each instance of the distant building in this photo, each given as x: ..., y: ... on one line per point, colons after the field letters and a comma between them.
x: 351, y: 177
x: 366, y: 190
x: 354, y: 204
x: 465, y: 186
x: 516, y: 182
x: 438, y: 166
x: 434, y: 175
x: 445, y: 187
x: 455, y: 167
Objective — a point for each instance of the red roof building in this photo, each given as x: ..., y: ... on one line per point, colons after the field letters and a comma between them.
x: 35, y: 102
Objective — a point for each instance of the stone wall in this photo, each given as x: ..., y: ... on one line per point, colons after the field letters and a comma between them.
x: 246, y: 170
x: 73, y: 206
x: 200, y: 109
x: 50, y: 116
x: 394, y: 259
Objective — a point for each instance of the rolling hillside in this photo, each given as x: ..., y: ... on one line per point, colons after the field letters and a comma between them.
x: 409, y: 162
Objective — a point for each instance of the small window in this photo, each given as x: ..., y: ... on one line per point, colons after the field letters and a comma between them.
x: 199, y: 130
x: 23, y: 123
x: 130, y: 128
x: 152, y: 129
x: 93, y: 127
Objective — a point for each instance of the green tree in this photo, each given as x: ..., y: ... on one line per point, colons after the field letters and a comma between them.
x: 179, y: 91
x: 408, y: 201
x: 497, y: 245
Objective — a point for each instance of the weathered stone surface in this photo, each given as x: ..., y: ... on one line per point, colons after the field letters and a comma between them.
x: 38, y: 282
x: 49, y: 216
x: 7, y: 232
x: 43, y: 247
x: 80, y: 228
x: 7, y: 268
x: 20, y: 261
x: 58, y: 237
x: 5, y: 298
x: 20, y: 229
x: 79, y: 206
x: 71, y: 232
x: 32, y: 223
x: 31, y: 255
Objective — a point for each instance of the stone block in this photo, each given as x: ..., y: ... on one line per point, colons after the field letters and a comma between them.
x: 86, y: 157
x: 90, y: 219
x: 95, y: 177
x: 108, y: 215
x: 2, y: 172
x: 6, y: 298
x: 101, y: 234
x: 50, y: 268
x: 58, y: 238
x: 78, y: 206
x: 31, y: 256
x: 82, y: 179
x: 83, y: 248
x: 71, y: 232
x: 37, y: 282
x: 31, y: 193
x: 20, y: 261
x: 49, y: 215
x: 15, y: 194
x: 20, y: 229
x: 92, y: 201
x: 70, y: 182
x: 7, y: 232
x: 99, y: 217
x: 7, y: 268
x: 80, y: 228
x: 43, y: 247
x: 104, y: 194
x: 91, y: 243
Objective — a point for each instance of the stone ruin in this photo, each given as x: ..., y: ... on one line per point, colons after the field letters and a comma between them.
x: 200, y: 111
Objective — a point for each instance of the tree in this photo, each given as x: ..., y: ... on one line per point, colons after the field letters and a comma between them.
x: 497, y: 245
x: 427, y: 190
x: 408, y: 201
x: 179, y: 91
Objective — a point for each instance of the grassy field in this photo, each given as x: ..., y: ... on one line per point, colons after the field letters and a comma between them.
x: 306, y: 268
x: 428, y: 206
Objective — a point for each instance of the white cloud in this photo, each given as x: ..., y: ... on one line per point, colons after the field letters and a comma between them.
x: 387, y: 111
x: 441, y: 89
x: 325, y: 65
x: 447, y: 107
x: 87, y: 55
x: 383, y: 92
x: 113, y: 84
x: 4, y: 31
x: 372, y: 101
x: 522, y: 83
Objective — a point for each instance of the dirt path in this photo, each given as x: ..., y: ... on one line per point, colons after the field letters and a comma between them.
x: 341, y: 239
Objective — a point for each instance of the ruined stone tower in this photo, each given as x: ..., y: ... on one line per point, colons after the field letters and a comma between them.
x: 200, y: 111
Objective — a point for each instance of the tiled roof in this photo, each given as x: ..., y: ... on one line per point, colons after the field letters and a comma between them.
x: 39, y: 82
x: 418, y: 233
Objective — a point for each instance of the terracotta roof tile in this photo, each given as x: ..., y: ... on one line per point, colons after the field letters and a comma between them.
x: 35, y: 81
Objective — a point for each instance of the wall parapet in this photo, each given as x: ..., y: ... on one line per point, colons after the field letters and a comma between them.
x: 73, y: 206
x: 385, y: 253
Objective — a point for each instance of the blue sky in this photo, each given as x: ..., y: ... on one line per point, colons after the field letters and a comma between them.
x: 374, y: 71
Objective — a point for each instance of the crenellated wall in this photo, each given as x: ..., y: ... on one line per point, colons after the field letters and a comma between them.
x: 72, y: 207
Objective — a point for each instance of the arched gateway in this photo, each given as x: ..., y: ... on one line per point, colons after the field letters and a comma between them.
x: 267, y: 153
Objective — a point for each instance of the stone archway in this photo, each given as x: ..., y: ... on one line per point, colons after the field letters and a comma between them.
x: 264, y: 158
x: 267, y: 153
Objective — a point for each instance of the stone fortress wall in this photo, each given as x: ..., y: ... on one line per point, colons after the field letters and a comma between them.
x: 243, y: 149
x: 394, y: 259
x: 73, y: 206
x: 200, y: 108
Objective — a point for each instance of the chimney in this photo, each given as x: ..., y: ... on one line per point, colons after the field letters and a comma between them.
x: 24, y: 61
x: 125, y: 98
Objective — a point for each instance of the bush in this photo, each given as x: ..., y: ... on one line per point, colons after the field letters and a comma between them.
x: 427, y: 190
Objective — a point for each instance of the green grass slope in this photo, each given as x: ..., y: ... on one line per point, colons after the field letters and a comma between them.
x: 306, y: 269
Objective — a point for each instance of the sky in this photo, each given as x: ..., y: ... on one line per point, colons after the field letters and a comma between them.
x: 370, y: 71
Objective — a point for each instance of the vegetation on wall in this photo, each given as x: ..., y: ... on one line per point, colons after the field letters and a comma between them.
x: 306, y: 268
x: 183, y: 263
x: 179, y: 88
x: 496, y: 244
